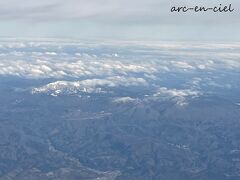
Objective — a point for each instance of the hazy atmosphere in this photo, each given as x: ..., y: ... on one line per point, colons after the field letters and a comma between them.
x: 118, y: 19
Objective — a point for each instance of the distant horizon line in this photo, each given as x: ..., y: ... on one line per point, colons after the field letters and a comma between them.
x: 111, y: 40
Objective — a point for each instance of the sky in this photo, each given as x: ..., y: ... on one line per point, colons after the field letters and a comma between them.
x: 118, y: 20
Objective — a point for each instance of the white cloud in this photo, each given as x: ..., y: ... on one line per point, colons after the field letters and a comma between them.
x: 89, y: 85
x: 163, y: 91
x: 61, y: 69
x: 178, y: 95
x: 136, y: 63
x: 182, y: 64
x: 124, y: 100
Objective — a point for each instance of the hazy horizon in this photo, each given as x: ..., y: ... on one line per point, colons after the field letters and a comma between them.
x: 118, y: 20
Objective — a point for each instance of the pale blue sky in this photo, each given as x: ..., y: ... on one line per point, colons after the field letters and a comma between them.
x: 117, y: 19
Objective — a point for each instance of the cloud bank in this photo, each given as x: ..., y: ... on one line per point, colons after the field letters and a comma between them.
x: 163, y: 70
x: 62, y: 60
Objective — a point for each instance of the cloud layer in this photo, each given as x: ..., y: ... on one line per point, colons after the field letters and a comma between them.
x: 160, y: 70
x: 62, y: 60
